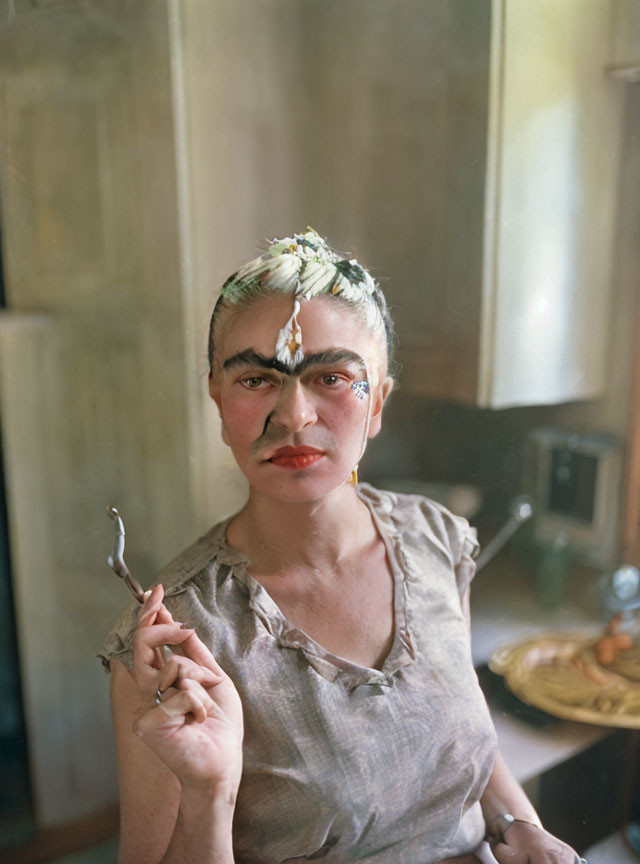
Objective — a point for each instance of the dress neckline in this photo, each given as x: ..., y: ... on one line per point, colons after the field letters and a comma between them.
x: 287, y: 635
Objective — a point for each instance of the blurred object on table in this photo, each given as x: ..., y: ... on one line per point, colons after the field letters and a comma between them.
x: 561, y: 674
x: 621, y: 591
x: 521, y: 509
x: 577, y: 483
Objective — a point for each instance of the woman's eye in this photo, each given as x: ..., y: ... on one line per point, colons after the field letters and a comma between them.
x: 253, y: 383
x: 334, y: 380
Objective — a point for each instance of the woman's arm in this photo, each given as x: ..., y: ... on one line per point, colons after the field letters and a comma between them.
x: 160, y: 820
x: 179, y: 761
x: 149, y: 791
x: 523, y: 841
x: 504, y: 794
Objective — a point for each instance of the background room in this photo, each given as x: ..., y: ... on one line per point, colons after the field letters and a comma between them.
x: 481, y: 158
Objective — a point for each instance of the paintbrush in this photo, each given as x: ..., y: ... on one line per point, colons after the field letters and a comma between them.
x: 117, y: 564
x: 116, y: 559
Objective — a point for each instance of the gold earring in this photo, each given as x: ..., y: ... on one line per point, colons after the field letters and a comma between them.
x: 353, y: 477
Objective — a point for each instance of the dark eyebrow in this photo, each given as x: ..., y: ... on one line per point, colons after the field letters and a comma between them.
x: 252, y: 358
x: 332, y: 355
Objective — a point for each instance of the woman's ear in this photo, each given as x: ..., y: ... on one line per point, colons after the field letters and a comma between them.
x: 380, y: 394
x: 214, y: 392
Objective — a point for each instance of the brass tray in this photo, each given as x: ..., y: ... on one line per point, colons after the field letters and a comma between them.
x: 559, y: 674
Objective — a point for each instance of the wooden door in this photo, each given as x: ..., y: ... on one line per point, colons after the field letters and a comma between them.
x: 92, y: 382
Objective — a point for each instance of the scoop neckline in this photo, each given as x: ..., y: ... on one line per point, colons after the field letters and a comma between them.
x: 329, y: 665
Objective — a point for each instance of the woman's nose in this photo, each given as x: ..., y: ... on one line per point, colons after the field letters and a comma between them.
x: 294, y: 408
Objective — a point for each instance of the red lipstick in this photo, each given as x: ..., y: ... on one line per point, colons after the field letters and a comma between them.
x: 295, y: 458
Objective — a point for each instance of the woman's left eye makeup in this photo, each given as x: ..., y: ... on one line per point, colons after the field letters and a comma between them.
x: 361, y: 389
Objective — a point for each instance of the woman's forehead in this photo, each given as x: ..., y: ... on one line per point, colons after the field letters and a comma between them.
x: 326, y: 325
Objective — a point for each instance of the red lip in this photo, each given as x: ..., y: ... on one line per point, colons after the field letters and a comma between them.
x: 296, y: 458
x: 302, y: 450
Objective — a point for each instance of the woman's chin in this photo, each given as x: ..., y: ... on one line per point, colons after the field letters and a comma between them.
x: 286, y: 486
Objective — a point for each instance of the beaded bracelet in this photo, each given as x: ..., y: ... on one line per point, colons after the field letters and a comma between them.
x: 502, y: 823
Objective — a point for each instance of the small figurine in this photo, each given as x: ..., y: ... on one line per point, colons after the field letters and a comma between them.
x: 611, y: 643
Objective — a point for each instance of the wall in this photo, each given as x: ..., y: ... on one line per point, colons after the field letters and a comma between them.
x: 95, y: 376
x: 442, y: 441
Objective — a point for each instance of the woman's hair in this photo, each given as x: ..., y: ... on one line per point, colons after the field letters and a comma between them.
x: 306, y: 266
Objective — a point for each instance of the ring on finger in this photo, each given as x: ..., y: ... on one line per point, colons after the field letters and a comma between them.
x: 159, y: 694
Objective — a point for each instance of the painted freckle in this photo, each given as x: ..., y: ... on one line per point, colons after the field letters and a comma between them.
x: 361, y: 389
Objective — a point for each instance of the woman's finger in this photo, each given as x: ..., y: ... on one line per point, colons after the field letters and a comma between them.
x: 191, y: 703
x: 188, y: 685
x: 153, y: 611
x: 505, y: 854
x: 147, y: 639
x: 161, y: 634
x: 148, y: 612
x: 196, y: 650
x: 164, y: 616
x: 179, y: 668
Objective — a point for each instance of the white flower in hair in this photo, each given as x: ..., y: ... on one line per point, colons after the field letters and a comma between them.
x: 317, y: 277
x: 289, y: 342
x: 305, y: 266
x: 283, y: 272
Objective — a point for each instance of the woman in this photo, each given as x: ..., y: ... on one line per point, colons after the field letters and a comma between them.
x: 338, y: 613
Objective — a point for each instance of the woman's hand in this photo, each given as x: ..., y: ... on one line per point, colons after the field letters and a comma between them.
x: 196, y: 728
x: 523, y: 843
x: 155, y: 629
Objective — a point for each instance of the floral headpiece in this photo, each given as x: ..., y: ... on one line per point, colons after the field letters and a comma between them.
x: 303, y: 265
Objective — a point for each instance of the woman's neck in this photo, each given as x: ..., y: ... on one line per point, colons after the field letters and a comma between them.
x: 311, y: 536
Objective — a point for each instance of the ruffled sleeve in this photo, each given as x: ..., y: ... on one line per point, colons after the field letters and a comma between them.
x: 465, y: 569
x: 458, y: 538
x: 119, y: 643
x: 426, y: 524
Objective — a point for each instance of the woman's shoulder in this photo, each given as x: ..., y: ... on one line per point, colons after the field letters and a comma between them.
x: 421, y: 522
x: 412, y: 511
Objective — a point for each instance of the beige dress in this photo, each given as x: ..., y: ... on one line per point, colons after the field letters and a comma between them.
x: 341, y: 762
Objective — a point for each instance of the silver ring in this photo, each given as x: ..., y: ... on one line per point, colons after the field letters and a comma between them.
x: 158, y: 696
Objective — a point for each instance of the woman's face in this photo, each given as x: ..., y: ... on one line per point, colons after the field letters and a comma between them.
x: 298, y: 434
